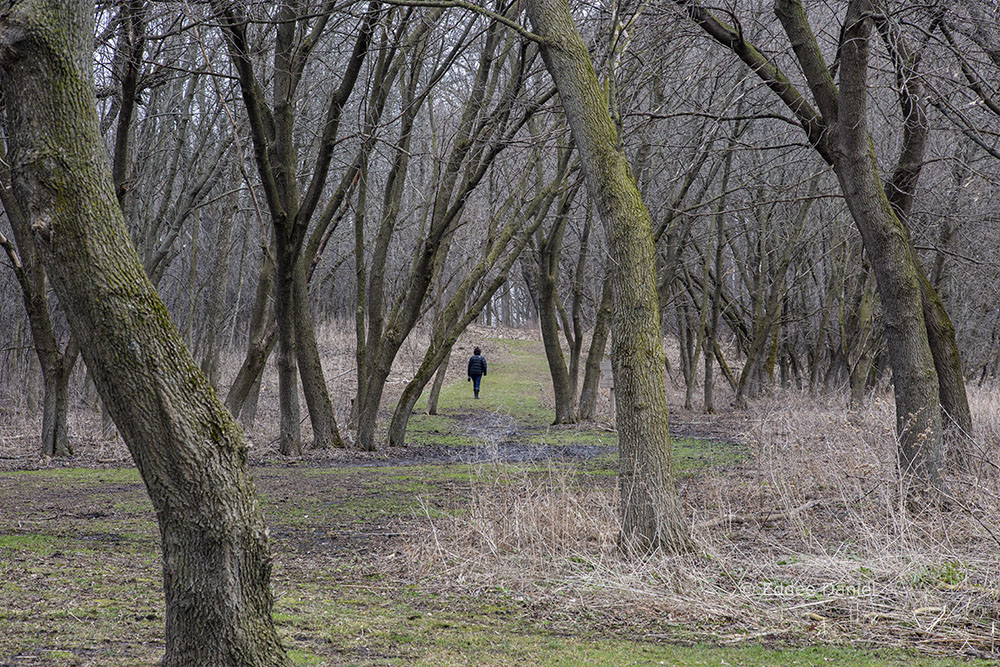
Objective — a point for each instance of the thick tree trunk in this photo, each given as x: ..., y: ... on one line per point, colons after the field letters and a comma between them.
x: 189, y: 451
x: 652, y: 516
x: 55, y: 406
x: 915, y: 379
x: 290, y: 434
x: 368, y: 406
x: 947, y: 359
x: 918, y: 417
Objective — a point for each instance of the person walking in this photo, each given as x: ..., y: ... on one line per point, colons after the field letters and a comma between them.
x: 477, y: 369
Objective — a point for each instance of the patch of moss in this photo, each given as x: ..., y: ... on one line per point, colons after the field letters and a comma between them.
x: 36, y: 542
x: 86, y: 475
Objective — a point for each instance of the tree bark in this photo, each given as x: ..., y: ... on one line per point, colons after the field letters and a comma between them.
x: 918, y: 417
x: 189, y: 451
x: 219, y: 275
x: 439, y: 378
x: 546, y: 269
x: 290, y: 433
x: 595, y: 355
x: 652, y: 516
x: 242, y: 397
x: 324, y: 423
x: 55, y: 364
x: 901, y: 191
x: 56, y: 373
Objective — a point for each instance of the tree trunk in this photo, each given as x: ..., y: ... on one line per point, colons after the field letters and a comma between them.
x: 368, y: 405
x: 54, y: 365
x: 947, y: 359
x: 32, y: 390
x: 652, y: 517
x: 565, y: 399
x: 214, y: 315
x: 719, y: 218
x: 189, y: 451
x: 290, y: 435
x: 407, y: 400
x: 439, y: 378
x: 324, y: 423
x: 915, y: 380
x: 259, y: 346
x: 595, y: 355
x: 55, y: 407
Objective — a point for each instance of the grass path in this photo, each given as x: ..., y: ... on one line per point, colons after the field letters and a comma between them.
x: 80, y: 569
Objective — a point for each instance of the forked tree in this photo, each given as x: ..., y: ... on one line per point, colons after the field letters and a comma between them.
x: 926, y: 368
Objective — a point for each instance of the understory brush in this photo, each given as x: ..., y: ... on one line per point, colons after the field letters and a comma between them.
x: 809, y: 540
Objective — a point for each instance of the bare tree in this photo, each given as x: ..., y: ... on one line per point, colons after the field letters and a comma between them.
x: 838, y: 128
x: 189, y: 451
x: 652, y: 516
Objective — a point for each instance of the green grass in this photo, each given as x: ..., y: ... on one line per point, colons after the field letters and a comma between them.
x: 80, y: 571
x: 103, y: 606
x: 513, y: 387
x: 85, y: 475
x: 31, y: 542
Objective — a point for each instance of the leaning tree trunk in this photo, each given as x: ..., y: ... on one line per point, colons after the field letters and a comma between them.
x: 219, y: 275
x: 439, y: 378
x: 55, y: 365
x: 562, y: 386
x: 324, y: 423
x: 651, y: 513
x: 947, y: 360
x: 915, y: 380
x: 411, y: 393
x: 242, y: 397
x: 189, y: 451
x: 595, y: 355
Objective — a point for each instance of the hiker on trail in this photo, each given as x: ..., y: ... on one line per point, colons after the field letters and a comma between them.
x: 477, y: 369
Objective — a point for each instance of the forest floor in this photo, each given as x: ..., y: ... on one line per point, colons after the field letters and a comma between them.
x: 490, y: 541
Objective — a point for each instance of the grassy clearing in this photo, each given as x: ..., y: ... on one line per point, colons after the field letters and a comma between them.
x: 515, y: 385
x: 502, y: 564
x: 79, y: 590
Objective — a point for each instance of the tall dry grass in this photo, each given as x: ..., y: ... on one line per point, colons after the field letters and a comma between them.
x: 810, y: 539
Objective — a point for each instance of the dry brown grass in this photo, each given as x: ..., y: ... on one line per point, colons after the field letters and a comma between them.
x: 852, y: 566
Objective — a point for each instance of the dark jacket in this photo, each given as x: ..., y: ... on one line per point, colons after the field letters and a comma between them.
x: 477, y: 365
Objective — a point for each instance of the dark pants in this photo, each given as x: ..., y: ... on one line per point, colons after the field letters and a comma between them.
x: 475, y: 384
